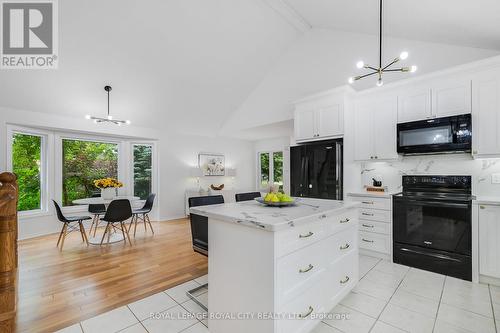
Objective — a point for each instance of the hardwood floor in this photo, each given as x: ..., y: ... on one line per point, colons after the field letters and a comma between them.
x: 58, y: 289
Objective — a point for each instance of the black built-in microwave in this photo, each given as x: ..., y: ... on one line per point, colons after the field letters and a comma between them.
x: 432, y: 136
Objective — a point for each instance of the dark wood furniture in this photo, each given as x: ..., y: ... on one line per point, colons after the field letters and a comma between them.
x: 8, y: 251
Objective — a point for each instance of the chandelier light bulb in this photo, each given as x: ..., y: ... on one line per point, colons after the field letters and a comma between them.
x: 95, y: 121
x: 351, y: 80
x: 87, y: 117
x: 128, y: 122
x: 403, y: 55
x: 380, y: 83
x: 110, y: 117
x: 360, y: 64
x: 413, y: 69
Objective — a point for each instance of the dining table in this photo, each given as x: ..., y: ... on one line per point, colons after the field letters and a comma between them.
x: 114, y: 237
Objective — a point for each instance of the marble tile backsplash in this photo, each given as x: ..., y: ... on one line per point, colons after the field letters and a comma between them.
x: 390, y: 173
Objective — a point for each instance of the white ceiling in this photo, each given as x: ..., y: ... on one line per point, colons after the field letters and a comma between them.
x: 200, y: 66
x: 473, y: 23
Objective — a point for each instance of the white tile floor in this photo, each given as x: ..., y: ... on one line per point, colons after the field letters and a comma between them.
x: 389, y: 298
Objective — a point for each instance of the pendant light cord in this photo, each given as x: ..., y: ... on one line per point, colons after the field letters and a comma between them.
x: 380, y: 39
x: 108, y: 103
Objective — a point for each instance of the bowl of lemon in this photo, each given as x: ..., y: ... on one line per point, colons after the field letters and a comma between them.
x: 276, y: 199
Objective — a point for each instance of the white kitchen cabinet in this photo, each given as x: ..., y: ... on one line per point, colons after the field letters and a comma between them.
x: 414, y: 104
x: 320, y: 116
x: 489, y: 240
x: 438, y: 98
x: 451, y: 97
x: 330, y: 120
x: 375, y: 129
x: 320, y: 122
x: 486, y: 114
x: 305, y: 124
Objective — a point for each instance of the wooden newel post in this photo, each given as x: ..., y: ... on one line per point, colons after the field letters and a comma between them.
x: 8, y: 251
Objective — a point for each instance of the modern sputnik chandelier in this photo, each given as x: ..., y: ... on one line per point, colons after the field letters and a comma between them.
x: 382, y: 69
x: 109, y: 118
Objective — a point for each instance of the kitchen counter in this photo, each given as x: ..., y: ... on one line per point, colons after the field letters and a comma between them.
x: 486, y: 200
x: 281, y: 268
x: 363, y: 193
x: 254, y: 214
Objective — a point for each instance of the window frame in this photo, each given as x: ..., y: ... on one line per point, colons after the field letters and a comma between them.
x: 271, y: 168
x: 154, y: 186
x: 45, y: 165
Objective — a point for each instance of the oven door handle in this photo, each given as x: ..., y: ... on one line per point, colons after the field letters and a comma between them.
x: 438, y: 203
x: 434, y: 255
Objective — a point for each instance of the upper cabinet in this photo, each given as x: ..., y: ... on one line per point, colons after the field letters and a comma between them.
x: 486, y: 114
x: 414, y: 104
x: 375, y: 129
x: 451, y: 97
x: 320, y: 117
x: 438, y: 98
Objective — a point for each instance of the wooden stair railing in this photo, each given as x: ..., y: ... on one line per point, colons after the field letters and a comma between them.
x: 8, y: 251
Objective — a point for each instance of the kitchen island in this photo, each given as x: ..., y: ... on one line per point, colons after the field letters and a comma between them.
x: 278, y: 269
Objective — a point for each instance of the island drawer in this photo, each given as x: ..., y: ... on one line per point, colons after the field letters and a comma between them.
x: 373, y: 203
x: 305, y: 308
x: 339, y: 222
x: 375, y: 242
x: 372, y: 226
x: 299, y: 237
x: 299, y: 270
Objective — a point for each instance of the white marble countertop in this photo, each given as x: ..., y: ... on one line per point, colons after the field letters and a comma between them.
x: 254, y: 214
x: 364, y: 193
x: 486, y: 200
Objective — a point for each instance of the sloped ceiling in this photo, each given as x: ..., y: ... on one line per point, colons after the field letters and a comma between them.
x: 173, y: 64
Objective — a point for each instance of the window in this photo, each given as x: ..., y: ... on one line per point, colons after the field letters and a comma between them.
x: 27, y: 164
x: 270, y: 169
x: 143, y: 163
x: 82, y: 163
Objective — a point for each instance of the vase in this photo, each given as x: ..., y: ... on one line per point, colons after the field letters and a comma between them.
x: 108, y: 193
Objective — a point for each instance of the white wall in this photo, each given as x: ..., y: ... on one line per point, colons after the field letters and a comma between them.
x: 179, y: 153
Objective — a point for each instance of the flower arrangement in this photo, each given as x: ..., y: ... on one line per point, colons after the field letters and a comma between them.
x: 107, y: 183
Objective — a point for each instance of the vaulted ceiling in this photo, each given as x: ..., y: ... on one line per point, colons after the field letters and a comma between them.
x: 201, y: 66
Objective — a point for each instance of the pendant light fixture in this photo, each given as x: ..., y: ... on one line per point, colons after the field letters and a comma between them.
x: 109, y: 118
x: 382, y: 69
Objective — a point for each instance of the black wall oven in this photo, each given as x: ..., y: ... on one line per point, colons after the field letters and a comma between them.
x: 432, y: 224
x: 432, y: 136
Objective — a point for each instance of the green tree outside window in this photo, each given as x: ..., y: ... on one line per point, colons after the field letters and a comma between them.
x: 142, y: 170
x: 26, y: 164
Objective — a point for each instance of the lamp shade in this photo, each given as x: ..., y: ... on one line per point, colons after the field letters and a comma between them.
x: 231, y: 172
x: 196, y: 172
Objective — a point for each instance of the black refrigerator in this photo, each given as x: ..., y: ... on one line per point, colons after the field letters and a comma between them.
x: 316, y: 170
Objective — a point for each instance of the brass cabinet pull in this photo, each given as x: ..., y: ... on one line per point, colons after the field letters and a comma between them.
x: 367, y: 202
x: 368, y: 225
x: 305, y: 270
x: 344, y: 221
x: 322, y: 217
x: 309, y: 234
x: 367, y: 214
x: 345, y: 247
x: 367, y: 240
x: 307, y: 314
x: 482, y: 207
x: 344, y: 281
